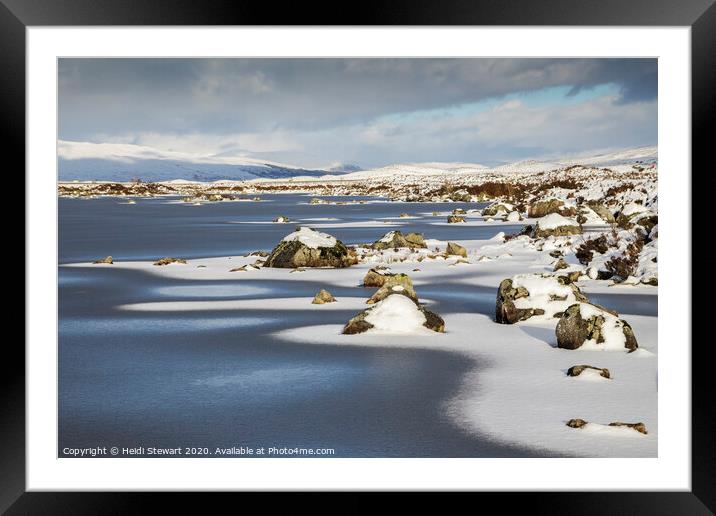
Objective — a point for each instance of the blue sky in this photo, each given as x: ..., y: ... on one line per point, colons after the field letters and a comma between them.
x: 370, y: 112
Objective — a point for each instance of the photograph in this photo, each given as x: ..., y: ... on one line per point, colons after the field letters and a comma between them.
x: 346, y: 257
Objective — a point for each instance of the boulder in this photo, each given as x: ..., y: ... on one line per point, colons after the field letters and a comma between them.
x: 376, y: 276
x: 588, y: 326
x: 556, y: 225
x: 388, y: 290
x: 167, y: 260
x: 393, y: 280
x: 579, y: 369
x: 308, y: 248
x: 405, y: 215
x: 395, y: 314
x: 505, y: 310
x: 281, y: 219
x: 460, y: 196
x: 576, y: 423
x: 454, y: 219
x: 541, y: 208
x: 396, y: 239
x: 456, y: 249
x: 527, y: 295
x: 458, y: 211
x: 106, y: 259
x: 497, y: 208
x: 323, y: 297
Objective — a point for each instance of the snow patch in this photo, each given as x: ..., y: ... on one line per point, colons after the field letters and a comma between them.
x: 311, y: 238
x: 396, y: 314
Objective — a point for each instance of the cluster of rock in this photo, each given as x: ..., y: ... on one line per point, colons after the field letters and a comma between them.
x: 581, y: 323
x: 581, y: 423
x: 210, y: 197
x: 168, y: 260
x: 395, y: 306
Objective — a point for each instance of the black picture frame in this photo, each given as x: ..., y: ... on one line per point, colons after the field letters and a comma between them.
x: 17, y: 15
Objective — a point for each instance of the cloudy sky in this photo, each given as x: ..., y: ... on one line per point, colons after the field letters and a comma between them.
x: 369, y: 112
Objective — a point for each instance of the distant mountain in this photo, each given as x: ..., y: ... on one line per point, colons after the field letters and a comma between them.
x: 619, y: 160
x: 344, y: 168
x: 122, y: 162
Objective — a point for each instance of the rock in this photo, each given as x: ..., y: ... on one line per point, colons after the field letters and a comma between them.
x: 460, y: 196
x: 262, y: 254
x: 308, y: 248
x: 281, y: 219
x: 556, y: 253
x: 458, y: 211
x: 584, y: 323
x: 454, y: 219
x: 238, y: 269
x: 456, y: 249
x: 392, y: 280
x: 602, y: 211
x: 316, y: 200
x: 404, y: 215
x: 579, y: 369
x: 323, y: 297
x: 576, y: 423
x: 542, y: 208
x: 167, y: 260
x: 376, y: 277
x: 496, y: 208
x: 396, y: 239
x: 396, y: 313
x: 551, y: 297
x: 555, y: 225
x: 388, y: 290
x: 505, y: 310
x: 560, y: 264
x: 639, y: 427
x: 106, y: 259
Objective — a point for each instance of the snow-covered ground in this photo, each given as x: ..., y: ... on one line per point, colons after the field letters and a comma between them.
x: 518, y: 390
x: 592, y: 221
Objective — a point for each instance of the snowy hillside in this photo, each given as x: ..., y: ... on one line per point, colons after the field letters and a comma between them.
x: 122, y: 162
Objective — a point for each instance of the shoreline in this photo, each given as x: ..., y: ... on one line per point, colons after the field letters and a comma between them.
x: 521, y: 362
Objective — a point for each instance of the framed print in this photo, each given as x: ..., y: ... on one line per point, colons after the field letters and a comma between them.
x: 400, y: 252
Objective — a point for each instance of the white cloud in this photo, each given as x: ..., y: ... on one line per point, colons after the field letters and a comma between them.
x: 490, y: 135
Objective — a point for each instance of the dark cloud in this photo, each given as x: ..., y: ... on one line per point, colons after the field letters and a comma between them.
x: 226, y: 95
